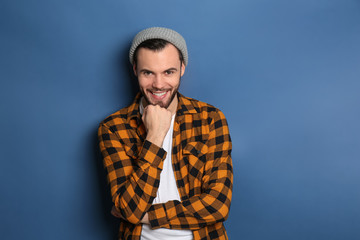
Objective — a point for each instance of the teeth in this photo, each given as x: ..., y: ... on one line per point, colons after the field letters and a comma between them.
x: 159, y: 94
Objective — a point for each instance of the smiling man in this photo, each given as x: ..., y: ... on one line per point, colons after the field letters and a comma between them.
x: 168, y: 157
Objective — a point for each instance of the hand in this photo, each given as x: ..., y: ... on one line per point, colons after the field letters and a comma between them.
x: 157, y: 122
x: 115, y: 212
x: 145, y: 219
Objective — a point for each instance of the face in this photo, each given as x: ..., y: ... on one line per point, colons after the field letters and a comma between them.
x: 159, y: 73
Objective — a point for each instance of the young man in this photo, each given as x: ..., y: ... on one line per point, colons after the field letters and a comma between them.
x: 168, y: 157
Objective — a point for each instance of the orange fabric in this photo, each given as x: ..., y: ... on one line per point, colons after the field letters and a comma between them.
x: 201, y: 159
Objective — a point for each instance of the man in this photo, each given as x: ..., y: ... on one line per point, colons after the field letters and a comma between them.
x: 167, y: 156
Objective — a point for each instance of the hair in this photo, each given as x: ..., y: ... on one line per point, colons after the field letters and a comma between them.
x: 156, y: 44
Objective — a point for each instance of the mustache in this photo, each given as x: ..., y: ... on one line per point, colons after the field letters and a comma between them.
x: 159, y: 89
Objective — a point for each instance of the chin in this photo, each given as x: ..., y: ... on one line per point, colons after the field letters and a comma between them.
x: 163, y: 104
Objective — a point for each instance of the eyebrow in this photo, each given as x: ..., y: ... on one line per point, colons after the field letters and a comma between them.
x: 145, y: 70
x: 170, y: 69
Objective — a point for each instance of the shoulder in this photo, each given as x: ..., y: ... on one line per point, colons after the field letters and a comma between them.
x: 124, y: 115
x: 119, y: 119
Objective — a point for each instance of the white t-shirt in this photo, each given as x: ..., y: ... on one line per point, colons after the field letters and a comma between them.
x: 167, y: 191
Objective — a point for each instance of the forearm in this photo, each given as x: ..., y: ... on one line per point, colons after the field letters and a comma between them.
x: 207, y: 208
x: 133, y: 197
x: 133, y: 180
x: 212, y: 203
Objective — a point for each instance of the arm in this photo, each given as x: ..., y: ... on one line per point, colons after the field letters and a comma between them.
x: 212, y: 205
x: 133, y: 182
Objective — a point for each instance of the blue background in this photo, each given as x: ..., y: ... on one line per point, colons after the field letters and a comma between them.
x: 285, y: 73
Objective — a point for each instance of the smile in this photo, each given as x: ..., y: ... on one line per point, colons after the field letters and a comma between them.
x: 159, y: 94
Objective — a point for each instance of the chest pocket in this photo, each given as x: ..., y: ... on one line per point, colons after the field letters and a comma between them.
x: 194, y: 154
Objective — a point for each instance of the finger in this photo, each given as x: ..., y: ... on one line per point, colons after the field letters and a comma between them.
x: 115, y: 213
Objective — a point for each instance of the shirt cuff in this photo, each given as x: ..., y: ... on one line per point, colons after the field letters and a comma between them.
x: 160, y: 214
x: 157, y: 216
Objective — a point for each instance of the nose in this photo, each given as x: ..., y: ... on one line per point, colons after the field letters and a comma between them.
x: 158, y: 82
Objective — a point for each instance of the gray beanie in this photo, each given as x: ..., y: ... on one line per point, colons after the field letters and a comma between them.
x: 159, y: 33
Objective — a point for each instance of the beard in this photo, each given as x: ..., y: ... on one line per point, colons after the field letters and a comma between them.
x: 160, y: 103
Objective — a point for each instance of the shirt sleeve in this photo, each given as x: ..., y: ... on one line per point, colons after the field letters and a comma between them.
x: 213, y: 204
x: 133, y: 181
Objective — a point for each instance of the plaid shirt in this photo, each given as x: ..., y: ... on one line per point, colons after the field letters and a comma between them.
x: 201, y: 159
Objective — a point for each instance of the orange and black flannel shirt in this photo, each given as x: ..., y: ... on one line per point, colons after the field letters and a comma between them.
x: 201, y: 159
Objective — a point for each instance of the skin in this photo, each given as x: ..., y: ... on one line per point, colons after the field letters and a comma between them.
x: 158, y: 74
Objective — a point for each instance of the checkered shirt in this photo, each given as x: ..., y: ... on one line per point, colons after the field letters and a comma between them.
x: 201, y: 159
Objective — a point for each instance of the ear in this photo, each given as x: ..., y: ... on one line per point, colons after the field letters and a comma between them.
x: 182, y: 69
x: 134, y: 69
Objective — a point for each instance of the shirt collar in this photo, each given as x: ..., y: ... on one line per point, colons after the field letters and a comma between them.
x: 134, y: 108
x: 185, y: 106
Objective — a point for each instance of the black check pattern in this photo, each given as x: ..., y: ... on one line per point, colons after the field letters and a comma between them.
x: 202, y: 164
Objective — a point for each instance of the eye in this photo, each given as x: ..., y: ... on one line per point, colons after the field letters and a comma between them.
x: 169, y: 72
x: 147, y: 73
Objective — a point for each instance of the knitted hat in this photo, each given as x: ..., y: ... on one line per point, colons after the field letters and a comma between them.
x: 159, y: 33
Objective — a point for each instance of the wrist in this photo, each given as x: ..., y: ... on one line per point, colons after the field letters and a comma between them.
x: 156, y: 139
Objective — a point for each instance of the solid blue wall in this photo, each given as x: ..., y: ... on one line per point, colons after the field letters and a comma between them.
x: 285, y: 73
